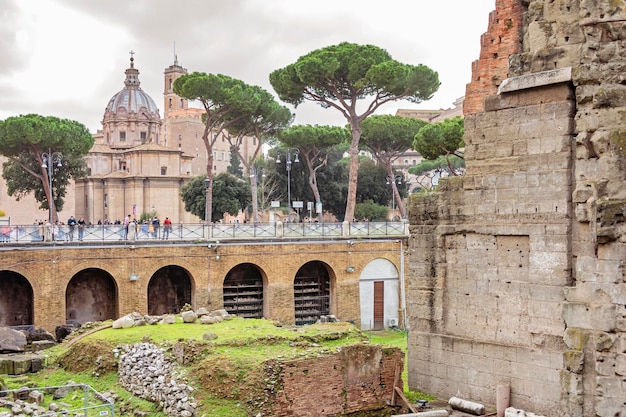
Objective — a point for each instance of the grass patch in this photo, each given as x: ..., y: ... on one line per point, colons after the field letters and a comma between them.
x: 398, y: 339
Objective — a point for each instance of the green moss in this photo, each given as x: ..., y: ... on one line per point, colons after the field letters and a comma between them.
x: 618, y: 138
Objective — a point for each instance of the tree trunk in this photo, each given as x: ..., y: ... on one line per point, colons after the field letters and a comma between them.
x: 313, y: 182
x: 354, y: 169
x: 395, y: 192
x: 255, y: 197
x: 208, y: 144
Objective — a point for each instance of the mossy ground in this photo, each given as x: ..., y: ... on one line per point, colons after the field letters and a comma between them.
x: 229, y: 371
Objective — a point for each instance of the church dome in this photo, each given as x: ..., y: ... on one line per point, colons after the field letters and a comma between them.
x: 131, y: 118
x: 132, y: 99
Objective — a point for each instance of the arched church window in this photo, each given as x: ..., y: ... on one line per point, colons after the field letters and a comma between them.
x: 163, y: 170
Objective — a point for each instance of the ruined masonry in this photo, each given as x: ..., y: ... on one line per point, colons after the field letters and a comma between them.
x: 517, y: 270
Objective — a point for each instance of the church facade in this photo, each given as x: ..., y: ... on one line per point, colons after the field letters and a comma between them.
x: 140, y: 161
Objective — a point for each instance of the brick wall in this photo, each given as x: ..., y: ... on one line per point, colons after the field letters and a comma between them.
x: 357, y: 378
x: 49, y: 270
x: 501, y: 40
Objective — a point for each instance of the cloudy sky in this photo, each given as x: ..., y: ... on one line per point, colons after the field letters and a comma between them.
x: 66, y: 58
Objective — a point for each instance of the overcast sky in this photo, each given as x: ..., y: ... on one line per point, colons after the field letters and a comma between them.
x: 66, y: 58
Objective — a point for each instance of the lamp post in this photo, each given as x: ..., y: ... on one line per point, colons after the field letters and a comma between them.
x: 288, y: 163
x: 393, y: 180
x: 207, y: 184
x: 49, y: 159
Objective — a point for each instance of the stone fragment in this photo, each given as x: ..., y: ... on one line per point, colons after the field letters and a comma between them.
x: 123, y: 322
x: 208, y: 320
x: 189, y: 316
x: 209, y: 336
x: 202, y: 311
x: 168, y: 319
x: 11, y: 340
x: 220, y: 312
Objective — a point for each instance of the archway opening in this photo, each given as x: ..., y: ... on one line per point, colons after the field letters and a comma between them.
x: 169, y: 290
x: 311, y: 292
x: 91, y: 295
x: 243, y: 291
x: 16, y: 300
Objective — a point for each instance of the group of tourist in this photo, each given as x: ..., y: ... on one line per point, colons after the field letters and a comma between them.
x: 75, y: 228
x: 149, y: 227
x: 57, y: 230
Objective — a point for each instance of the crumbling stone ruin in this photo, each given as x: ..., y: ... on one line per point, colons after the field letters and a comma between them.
x: 517, y: 270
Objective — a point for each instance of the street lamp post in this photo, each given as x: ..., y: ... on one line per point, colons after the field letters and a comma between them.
x: 288, y: 162
x: 49, y: 159
x: 393, y: 180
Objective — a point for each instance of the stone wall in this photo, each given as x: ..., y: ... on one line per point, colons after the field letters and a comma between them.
x: 493, y: 267
x: 517, y: 270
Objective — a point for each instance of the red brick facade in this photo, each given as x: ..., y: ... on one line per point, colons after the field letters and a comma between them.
x: 357, y: 378
x: 503, y: 38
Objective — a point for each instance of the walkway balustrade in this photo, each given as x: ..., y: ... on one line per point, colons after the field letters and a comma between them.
x: 54, y: 234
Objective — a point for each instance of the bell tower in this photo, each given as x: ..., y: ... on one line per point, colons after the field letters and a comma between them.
x: 173, y: 102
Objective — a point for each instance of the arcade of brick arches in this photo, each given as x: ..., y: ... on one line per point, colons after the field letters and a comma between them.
x: 53, y: 285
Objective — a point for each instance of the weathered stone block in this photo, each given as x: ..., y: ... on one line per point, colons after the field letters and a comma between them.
x: 576, y: 338
x: 603, y: 341
x: 605, y: 364
x: 620, y: 364
x: 21, y: 365
x: 6, y: 366
x: 608, y: 407
x: 574, y: 360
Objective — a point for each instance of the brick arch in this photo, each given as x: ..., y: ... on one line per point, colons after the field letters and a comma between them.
x: 91, y: 295
x: 16, y: 299
x: 243, y: 291
x: 149, y: 268
x: 312, y: 289
x: 170, y: 287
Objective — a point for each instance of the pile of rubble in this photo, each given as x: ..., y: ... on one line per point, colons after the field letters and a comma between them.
x: 26, y: 401
x: 145, y: 371
x: 188, y: 316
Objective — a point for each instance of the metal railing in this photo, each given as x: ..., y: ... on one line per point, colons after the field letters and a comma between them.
x: 29, y: 234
